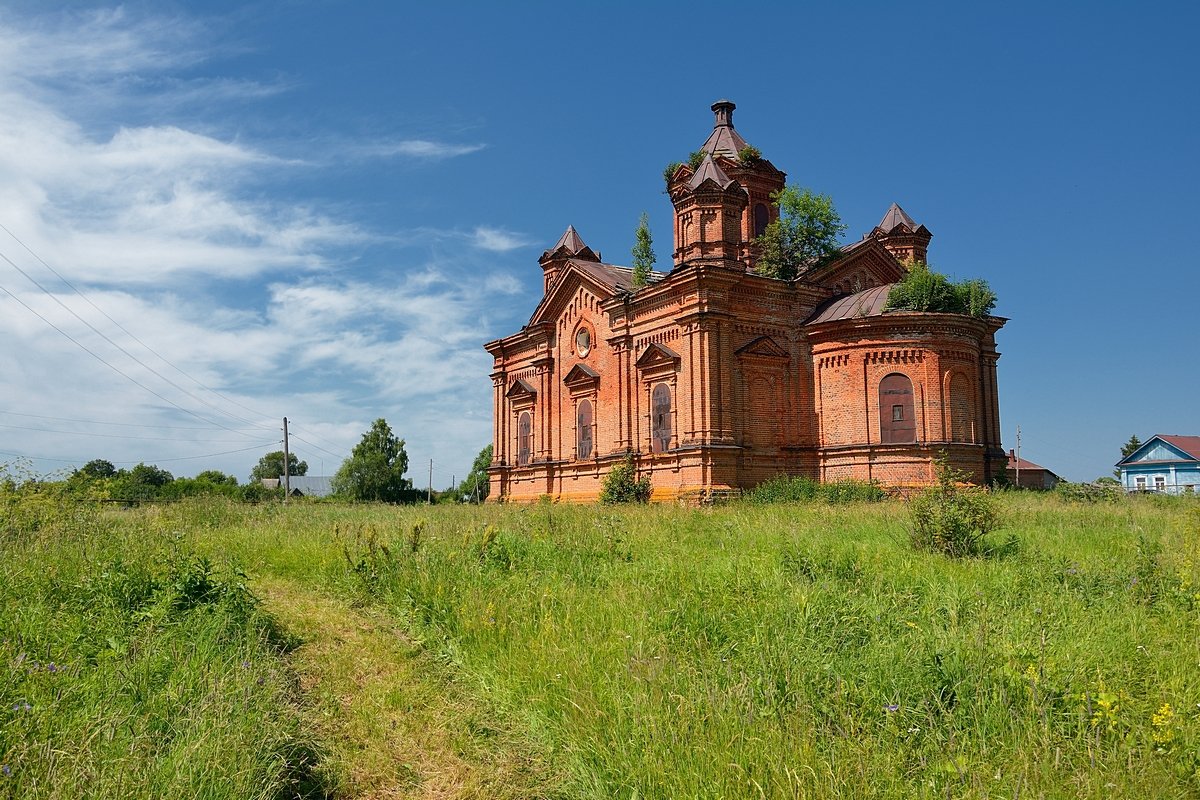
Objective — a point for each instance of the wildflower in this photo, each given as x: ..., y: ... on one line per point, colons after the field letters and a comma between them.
x: 891, y: 707
x: 245, y: 665
x: 1133, y: 581
x: 52, y: 667
x: 1163, y: 721
x: 6, y: 770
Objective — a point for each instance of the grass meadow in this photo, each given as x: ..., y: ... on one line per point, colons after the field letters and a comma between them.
x: 207, y: 649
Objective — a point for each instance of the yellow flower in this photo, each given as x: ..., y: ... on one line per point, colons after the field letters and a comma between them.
x: 1163, y: 722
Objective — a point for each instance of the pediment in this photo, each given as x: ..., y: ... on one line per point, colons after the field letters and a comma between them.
x: 571, y: 282
x: 657, y: 355
x: 581, y: 375
x: 520, y: 388
x: 869, y: 260
x: 763, y: 347
x: 1158, y: 450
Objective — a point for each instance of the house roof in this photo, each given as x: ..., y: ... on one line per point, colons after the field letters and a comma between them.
x: 1014, y: 462
x: 310, y: 485
x: 723, y: 140
x: 1188, y: 444
x: 867, y: 303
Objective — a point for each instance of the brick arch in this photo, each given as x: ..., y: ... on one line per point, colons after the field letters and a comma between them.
x: 897, y: 409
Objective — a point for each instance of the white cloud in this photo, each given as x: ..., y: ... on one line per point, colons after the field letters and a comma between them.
x: 171, y: 232
x: 497, y: 240
x: 416, y: 149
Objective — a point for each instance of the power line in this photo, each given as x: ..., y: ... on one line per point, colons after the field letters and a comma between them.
x: 126, y: 331
x: 106, y: 338
x: 121, y: 424
x: 322, y: 449
x: 120, y: 435
x: 113, y: 367
x: 143, y: 460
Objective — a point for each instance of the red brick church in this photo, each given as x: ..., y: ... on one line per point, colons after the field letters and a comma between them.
x: 716, y: 378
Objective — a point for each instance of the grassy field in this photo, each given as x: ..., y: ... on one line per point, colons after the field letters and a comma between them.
x: 212, y: 650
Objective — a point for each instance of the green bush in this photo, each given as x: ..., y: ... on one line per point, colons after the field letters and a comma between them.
x: 798, y: 489
x: 953, y: 518
x: 622, y: 485
x: 922, y: 289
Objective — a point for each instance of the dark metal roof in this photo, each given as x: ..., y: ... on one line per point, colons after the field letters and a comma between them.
x: 612, y: 276
x: 1024, y: 464
x: 570, y: 240
x: 709, y: 171
x: 867, y: 303
x: 724, y: 139
x: 895, y: 217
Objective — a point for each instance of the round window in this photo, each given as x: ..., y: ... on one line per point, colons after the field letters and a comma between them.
x: 583, y: 342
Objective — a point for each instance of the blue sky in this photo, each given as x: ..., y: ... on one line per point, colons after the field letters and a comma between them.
x: 321, y: 210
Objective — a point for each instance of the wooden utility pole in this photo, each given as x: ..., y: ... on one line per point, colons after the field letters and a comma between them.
x: 1018, y: 456
x: 429, y: 493
x: 287, y: 479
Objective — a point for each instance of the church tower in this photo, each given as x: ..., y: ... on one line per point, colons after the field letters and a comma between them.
x: 736, y: 160
x: 709, y: 207
x: 904, y: 238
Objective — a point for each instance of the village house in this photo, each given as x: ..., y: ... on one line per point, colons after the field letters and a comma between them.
x: 1164, y: 463
x: 716, y: 378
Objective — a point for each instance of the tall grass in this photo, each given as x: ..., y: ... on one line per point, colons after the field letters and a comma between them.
x: 742, y: 651
x: 781, y: 651
x: 132, y: 666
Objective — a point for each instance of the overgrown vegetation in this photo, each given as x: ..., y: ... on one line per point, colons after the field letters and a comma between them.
x: 804, y: 237
x: 798, y: 489
x: 622, y: 484
x: 746, y: 650
x: 952, y: 517
x: 643, y: 253
x: 133, y: 666
x: 749, y: 155
x: 694, y: 160
x: 922, y: 289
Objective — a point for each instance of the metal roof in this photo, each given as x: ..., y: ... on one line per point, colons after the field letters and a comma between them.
x: 1188, y: 444
x: 310, y: 485
x: 867, y: 303
x: 724, y: 139
x: 709, y: 171
x: 895, y: 217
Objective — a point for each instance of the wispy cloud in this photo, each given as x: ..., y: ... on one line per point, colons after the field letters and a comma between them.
x: 497, y: 240
x: 424, y: 149
x: 169, y: 229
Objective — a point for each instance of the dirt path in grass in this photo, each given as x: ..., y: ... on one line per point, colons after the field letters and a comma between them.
x: 391, y: 723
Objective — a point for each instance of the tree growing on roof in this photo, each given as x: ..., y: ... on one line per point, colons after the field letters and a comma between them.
x: 375, y: 469
x: 643, y: 253
x: 805, y: 235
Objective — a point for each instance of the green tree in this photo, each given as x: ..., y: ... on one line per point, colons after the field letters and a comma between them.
x: 217, y: 478
x: 643, y: 253
x: 1128, y: 449
x: 477, y: 483
x: 97, y: 468
x: 805, y: 235
x: 375, y: 469
x: 271, y: 466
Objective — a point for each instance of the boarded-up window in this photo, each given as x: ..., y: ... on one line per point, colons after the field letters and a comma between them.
x: 961, y: 421
x: 583, y: 431
x: 897, y: 417
x: 660, y: 419
x: 762, y: 217
x: 524, y: 438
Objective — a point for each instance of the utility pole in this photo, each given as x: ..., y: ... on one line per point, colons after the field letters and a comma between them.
x: 1018, y: 456
x: 429, y: 494
x: 287, y: 479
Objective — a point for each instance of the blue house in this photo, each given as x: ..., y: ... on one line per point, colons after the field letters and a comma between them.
x: 1167, y: 464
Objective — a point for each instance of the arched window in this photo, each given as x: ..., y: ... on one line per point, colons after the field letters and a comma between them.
x: 524, y: 438
x: 583, y: 430
x: 897, y: 415
x: 762, y: 217
x: 660, y: 419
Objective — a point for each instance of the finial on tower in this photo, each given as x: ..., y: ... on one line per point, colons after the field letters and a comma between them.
x: 723, y: 111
